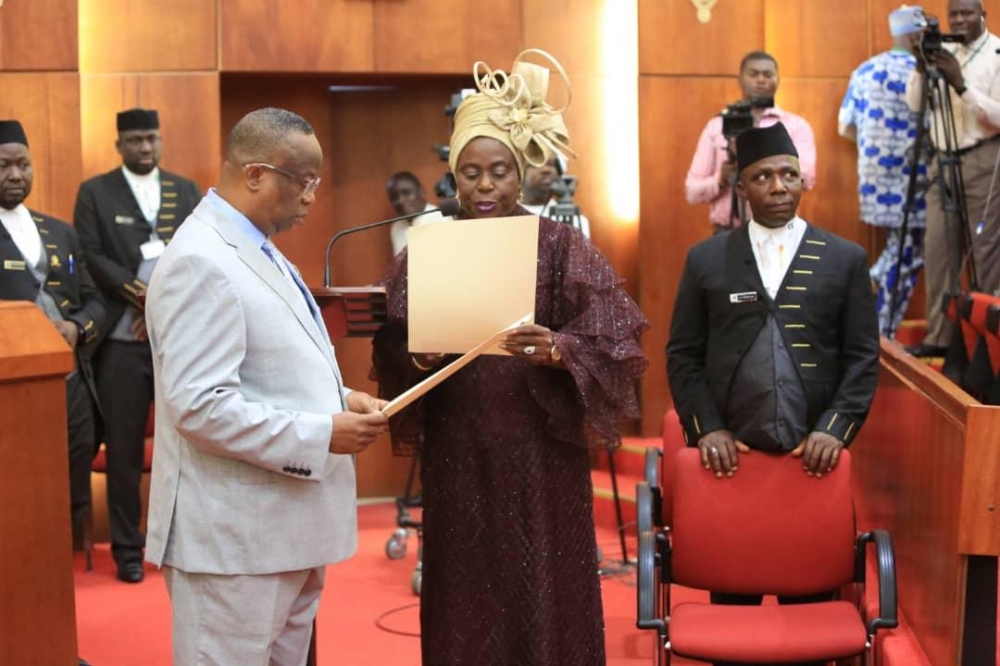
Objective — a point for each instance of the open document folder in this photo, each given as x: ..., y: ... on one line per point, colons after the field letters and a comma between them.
x: 468, y: 279
x: 417, y: 390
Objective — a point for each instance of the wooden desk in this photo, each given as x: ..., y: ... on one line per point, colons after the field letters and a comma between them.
x: 927, y: 468
x: 36, y: 550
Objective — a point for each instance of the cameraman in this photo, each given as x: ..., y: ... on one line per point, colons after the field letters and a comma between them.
x: 709, y: 180
x: 540, y: 199
x: 971, y: 69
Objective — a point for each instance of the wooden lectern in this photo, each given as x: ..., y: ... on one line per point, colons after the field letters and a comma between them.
x: 351, y: 312
x: 927, y: 468
x: 36, y: 549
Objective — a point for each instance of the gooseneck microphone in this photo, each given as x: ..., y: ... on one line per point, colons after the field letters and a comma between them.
x: 448, y: 208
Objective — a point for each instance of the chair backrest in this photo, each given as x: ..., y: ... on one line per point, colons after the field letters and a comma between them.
x: 769, y: 529
x: 673, y: 441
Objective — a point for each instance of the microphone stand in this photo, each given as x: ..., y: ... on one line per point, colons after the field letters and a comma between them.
x: 448, y: 208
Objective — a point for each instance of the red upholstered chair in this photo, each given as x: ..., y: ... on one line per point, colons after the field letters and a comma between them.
x: 770, y: 529
x: 100, y: 466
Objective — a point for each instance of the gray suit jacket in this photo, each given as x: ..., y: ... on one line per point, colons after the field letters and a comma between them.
x: 246, y: 383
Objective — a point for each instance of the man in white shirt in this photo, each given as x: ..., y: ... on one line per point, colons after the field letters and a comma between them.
x: 972, y: 72
x: 41, y: 261
x: 406, y: 195
x: 710, y: 176
x: 125, y: 218
x: 538, y: 188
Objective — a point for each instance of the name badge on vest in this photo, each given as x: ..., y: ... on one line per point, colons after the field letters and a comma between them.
x: 124, y: 219
x: 152, y: 249
x: 14, y: 265
x: 744, y: 297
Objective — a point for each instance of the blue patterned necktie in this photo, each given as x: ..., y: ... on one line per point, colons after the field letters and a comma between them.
x: 292, y: 276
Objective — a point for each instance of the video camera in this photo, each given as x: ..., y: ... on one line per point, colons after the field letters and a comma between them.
x: 738, y: 116
x: 564, y: 209
x: 932, y: 39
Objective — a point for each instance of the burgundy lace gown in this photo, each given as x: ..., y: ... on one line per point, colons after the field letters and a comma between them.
x: 509, y: 561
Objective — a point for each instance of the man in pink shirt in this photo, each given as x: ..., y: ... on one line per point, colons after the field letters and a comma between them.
x: 709, y: 180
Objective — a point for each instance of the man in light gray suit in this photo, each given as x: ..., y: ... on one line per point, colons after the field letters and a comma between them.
x: 253, y: 486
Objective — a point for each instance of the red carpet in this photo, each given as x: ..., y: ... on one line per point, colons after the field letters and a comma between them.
x: 129, y: 625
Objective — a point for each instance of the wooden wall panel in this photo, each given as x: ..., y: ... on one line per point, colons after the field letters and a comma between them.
x: 579, y: 46
x: 38, y: 35
x: 48, y: 105
x: 147, y: 36
x: 366, y: 136
x: 673, y: 41
x: 445, y: 36
x: 571, y: 30
x: 188, y: 105
x: 833, y: 203
x: 880, y: 39
x: 672, y: 113
x: 811, y: 38
x: 618, y: 239
x: 306, y: 36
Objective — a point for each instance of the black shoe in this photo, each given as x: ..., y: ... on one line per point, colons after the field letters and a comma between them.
x: 924, y: 350
x: 131, y: 572
x: 83, y: 662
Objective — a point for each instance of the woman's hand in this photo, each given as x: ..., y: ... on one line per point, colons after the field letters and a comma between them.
x: 535, y: 344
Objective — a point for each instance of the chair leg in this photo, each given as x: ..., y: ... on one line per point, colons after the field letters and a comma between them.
x: 88, y: 542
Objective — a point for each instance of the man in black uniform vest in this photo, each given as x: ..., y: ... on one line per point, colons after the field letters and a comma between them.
x: 42, y: 262
x: 124, y: 219
x: 774, y: 339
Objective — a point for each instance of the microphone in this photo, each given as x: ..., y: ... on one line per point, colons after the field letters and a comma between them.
x: 448, y: 208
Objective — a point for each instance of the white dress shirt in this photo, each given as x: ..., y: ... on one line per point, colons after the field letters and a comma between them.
x: 977, y: 112
x: 399, y: 232
x: 147, y: 192
x: 24, y: 231
x: 774, y: 249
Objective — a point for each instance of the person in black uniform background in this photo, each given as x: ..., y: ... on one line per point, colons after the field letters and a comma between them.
x: 42, y: 262
x: 124, y: 219
x: 774, y: 340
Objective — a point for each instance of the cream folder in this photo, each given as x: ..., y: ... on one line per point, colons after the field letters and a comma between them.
x: 469, y: 279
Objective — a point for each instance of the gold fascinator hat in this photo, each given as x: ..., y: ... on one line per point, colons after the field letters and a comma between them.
x: 512, y: 109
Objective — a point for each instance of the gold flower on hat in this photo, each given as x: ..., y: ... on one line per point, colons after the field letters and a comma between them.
x: 536, y: 129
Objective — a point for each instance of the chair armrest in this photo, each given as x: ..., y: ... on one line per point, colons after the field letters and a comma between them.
x: 653, y: 457
x: 643, y: 507
x: 646, y: 586
x: 887, y: 605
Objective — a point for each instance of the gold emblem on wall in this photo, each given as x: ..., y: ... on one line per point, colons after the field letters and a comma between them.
x: 704, y: 8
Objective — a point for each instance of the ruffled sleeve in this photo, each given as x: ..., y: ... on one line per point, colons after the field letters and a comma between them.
x: 597, y: 327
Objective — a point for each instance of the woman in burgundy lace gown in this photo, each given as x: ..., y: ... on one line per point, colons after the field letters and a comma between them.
x: 510, y: 564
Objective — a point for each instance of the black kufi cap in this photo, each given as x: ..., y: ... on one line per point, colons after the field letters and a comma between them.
x: 12, y: 132
x: 757, y: 143
x: 138, y: 119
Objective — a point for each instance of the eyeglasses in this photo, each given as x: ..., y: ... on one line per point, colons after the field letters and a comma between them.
x: 309, y: 185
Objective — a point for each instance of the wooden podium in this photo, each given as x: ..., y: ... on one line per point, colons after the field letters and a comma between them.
x: 351, y: 312
x: 36, y: 550
x: 927, y: 468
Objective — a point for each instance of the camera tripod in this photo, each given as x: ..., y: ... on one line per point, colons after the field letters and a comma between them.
x: 935, y: 96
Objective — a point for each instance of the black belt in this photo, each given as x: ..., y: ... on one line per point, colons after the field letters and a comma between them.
x: 978, y: 144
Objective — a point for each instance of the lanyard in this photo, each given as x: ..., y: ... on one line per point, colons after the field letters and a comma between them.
x: 979, y: 48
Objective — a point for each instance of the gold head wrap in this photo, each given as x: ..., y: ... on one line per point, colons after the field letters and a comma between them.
x: 512, y: 109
